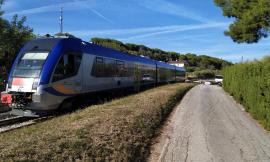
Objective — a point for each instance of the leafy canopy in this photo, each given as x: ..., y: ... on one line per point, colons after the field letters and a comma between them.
x: 13, y: 34
x: 252, y: 19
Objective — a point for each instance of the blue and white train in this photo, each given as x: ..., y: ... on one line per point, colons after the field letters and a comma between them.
x: 50, y: 70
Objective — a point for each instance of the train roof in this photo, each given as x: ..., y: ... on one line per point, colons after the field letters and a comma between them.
x: 41, y: 44
x: 109, y: 52
x: 85, y: 47
x: 165, y: 65
x: 90, y: 48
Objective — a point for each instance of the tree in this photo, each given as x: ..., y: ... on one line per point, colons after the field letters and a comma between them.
x: 252, y: 19
x: 13, y: 34
x: 3, y: 23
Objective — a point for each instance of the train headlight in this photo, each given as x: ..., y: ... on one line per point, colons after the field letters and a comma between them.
x: 35, y: 84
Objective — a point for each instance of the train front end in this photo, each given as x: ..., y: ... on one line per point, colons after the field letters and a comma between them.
x: 25, y: 91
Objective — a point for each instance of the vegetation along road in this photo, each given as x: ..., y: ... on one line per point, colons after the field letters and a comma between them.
x: 209, y: 125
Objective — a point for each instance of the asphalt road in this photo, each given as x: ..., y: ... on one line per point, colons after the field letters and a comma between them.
x: 209, y: 126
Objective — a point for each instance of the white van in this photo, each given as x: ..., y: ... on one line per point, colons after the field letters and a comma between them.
x: 218, y: 79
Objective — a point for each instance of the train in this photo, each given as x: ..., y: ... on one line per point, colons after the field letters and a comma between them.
x: 49, y: 71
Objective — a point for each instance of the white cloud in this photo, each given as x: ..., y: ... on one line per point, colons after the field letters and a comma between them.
x: 101, y: 15
x: 144, y: 32
x: 68, y: 6
x: 179, y: 28
x: 9, y: 5
x: 166, y: 7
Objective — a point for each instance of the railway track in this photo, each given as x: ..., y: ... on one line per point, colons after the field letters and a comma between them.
x: 18, y: 122
x: 10, y: 121
x: 5, y: 116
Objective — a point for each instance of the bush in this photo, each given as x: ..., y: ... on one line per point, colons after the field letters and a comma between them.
x: 204, y: 74
x: 249, y: 84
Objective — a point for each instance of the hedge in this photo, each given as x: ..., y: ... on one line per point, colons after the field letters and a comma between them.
x: 249, y: 84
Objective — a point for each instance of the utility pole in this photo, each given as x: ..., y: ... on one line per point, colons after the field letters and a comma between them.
x: 242, y: 59
x: 61, y: 20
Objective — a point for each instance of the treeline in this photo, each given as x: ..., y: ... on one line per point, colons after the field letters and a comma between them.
x: 135, y: 49
x: 13, y: 34
x: 249, y: 83
x: 194, y: 62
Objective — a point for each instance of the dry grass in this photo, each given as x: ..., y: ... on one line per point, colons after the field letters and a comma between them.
x: 121, y: 130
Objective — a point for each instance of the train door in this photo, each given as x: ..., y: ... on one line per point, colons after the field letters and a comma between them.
x: 119, y: 73
x: 79, y: 77
x: 86, y: 71
x: 137, y: 79
x: 157, y: 74
x: 109, y: 69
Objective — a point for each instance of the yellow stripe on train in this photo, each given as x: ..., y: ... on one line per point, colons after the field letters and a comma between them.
x: 61, y: 88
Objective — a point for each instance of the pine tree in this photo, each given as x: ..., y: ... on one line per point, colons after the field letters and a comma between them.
x: 252, y: 19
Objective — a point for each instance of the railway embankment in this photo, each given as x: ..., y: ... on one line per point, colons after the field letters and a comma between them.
x: 121, y: 130
x: 249, y: 84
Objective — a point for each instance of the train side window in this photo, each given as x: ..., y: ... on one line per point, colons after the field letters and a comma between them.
x: 130, y: 69
x: 99, y: 60
x: 109, y: 69
x: 78, y: 61
x: 98, y: 67
x: 120, y: 68
x: 67, y: 66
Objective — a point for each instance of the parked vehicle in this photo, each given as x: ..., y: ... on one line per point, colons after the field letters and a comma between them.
x: 207, y: 82
x: 219, y: 79
x: 47, y: 72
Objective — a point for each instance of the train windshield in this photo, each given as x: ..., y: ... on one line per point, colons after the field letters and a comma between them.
x: 30, y: 64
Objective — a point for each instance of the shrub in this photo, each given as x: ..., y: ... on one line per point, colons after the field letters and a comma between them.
x: 205, y: 74
x: 249, y: 84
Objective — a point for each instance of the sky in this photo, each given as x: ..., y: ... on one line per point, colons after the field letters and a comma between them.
x: 183, y: 26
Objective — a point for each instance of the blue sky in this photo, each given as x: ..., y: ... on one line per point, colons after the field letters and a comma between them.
x: 183, y: 26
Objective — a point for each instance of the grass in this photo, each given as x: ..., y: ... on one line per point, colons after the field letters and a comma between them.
x: 120, y: 130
